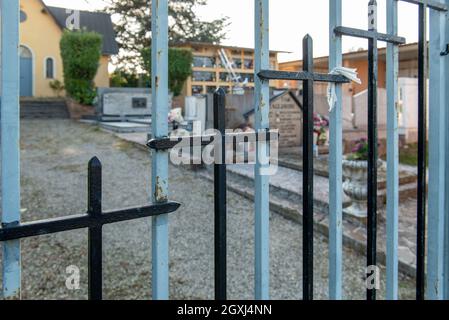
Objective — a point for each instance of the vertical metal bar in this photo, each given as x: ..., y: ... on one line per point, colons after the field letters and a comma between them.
x: 392, y: 153
x: 446, y: 131
x: 159, y: 85
x: 372, y: 142
x: 437, y: 101
x: 422, y: 151
x: 220, y: 197
x: 307, y: 203
x: 262, y: 105
x: 10, y: 144
x: 335, y: 160
x: 95, y: 263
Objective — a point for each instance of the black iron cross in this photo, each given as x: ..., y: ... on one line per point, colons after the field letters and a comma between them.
x: 220, y: 211
x: 373, y: 37
x: 308, y: 77
x: 93, y: 220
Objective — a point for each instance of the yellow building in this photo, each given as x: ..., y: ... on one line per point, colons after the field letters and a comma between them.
x: 209, y: 73
x: 41, y: 29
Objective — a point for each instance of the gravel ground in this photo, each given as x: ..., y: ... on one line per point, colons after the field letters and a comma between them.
x: 54, y: 172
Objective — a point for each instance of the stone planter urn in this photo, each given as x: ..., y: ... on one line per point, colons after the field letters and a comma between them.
x: 355, y: 186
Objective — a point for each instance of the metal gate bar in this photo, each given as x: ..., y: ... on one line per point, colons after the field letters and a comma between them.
x: 220, y: 197
x: 372, y: 141
x: 373, y: 37
x: 438, y: 24
x: 10, y: 143
x: 220, y: 208
x: 335, y: 159
x: 308, y: 77
x: 392, y: 154
x: 438, y: 76
x: 159, y: 173
x: 261, y: 181
x: 307, y: 172
x: 422, y: 152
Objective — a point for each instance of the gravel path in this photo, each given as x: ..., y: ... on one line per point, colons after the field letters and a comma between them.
x: 54, y: 170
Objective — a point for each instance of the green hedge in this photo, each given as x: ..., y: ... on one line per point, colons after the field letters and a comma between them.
x: 81, y: 53
x: 179, y: 67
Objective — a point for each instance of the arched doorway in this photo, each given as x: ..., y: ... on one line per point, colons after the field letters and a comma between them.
x: 26, y: 72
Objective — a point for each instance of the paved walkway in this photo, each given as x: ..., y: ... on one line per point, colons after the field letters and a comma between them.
x: 54, y: 172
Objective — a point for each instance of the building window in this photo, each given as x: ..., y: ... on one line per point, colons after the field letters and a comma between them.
x: 249, y: 77
x: 224, y: 77
x: 204, y: 62
x: 249, y: 63
x: 211, y: 89
x: 25, y: 52
x: 237, y: 63
x: 50, y: 68
x: 23, y: 16
x: 197, y: 90
x: 203, y: 76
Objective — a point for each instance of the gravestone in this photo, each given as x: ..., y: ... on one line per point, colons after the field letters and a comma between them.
x: 123, y: 104
x: 285, y: 116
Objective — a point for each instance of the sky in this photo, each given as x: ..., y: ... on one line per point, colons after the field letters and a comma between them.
x: 290, y: 21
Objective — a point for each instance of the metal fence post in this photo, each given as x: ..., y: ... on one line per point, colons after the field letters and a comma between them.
x: 95, y: 237
x: 220, y: 196
x: 422, y: 148
x: 392, y: 153
x: 10, y: 143
x: 335, y: 159
x: 262, y: 105
x: 372, y: 142
x: 307, y: 175
x: 437, y: 92
x: 446, y: 132
x: 159, y: 85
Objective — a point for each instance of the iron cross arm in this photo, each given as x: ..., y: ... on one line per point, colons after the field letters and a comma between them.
x: 301, y: 76
x: 81, y: 221
x: 359, y: 33
x: 204, y: 140
x: 429, y: 3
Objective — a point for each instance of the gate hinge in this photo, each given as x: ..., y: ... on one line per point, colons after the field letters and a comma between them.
x: 446, y: 52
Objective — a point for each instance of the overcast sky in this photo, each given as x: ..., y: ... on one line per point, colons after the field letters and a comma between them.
x: 290, y: 20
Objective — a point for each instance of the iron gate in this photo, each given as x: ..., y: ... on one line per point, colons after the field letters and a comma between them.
x: 438, y: 219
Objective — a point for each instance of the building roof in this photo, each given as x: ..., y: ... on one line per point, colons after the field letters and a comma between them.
x: 274, y: 98
x: 214, y: 45
x: 92, y: 21
x: 406, y: 52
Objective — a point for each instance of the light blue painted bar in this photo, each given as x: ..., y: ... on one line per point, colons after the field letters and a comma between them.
x: 159, y: 84
x: 10, y: 147
x: 437, y: 95
x: 446, y: 228
x: 392, y: 154
x: 335, y: 160
x: 262, y: 104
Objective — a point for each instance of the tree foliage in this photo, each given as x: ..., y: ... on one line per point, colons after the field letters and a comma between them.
x: 80, y: 52
x: 179, y: 67
x: 133, y: 26
x: 125, y: 79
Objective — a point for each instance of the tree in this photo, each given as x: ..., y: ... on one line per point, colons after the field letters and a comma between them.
x: 80, y: 52
x: 133, y: 26
x: 179, y: 67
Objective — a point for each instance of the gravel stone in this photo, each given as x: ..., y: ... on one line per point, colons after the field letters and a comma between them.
x: 55, y: 154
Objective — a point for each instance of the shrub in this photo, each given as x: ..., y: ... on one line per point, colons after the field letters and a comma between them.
x: 81, y: 52
x: 57, y: 87
x: 179, y: 67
